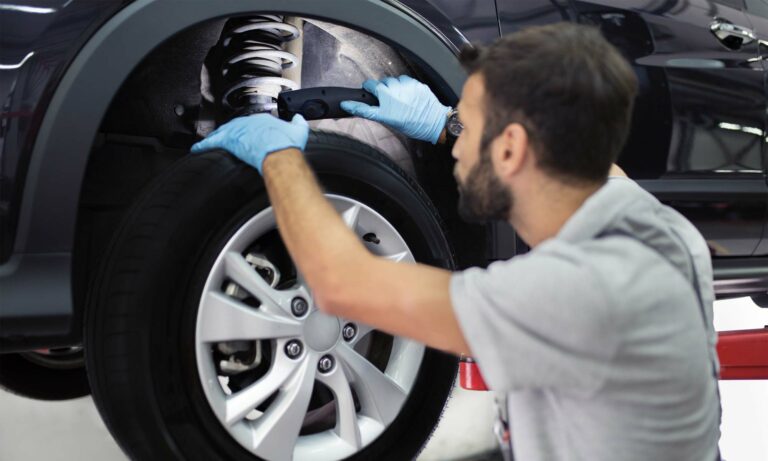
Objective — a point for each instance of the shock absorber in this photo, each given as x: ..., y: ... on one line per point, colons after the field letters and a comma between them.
x: 252, y: 62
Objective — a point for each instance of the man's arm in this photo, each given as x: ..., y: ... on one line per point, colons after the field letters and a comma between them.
x: 410, y: 300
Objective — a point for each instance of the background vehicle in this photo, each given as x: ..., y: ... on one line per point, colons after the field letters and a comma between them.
x: 101, y: 101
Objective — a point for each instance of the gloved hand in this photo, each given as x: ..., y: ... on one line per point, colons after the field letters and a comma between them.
x: 253, y: 137
x: 406, y: 105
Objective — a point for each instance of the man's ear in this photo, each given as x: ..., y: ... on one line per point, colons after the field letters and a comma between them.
x: 510, y: 150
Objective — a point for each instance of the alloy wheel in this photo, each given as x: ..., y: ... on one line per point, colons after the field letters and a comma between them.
x: 284, y: 379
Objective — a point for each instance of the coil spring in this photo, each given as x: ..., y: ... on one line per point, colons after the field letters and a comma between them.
x: 253, y: 61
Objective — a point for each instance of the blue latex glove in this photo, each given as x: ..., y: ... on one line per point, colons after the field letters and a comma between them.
x: 406, y: 105
x: 253, y: 137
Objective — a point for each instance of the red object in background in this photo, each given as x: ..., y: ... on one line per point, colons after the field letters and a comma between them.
x: 469, y: 375
x: 743, y: 355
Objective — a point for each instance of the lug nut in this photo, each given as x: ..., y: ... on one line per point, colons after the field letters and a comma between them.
x: 293, y: 349
x: 299, y: 306
x: 349, y: 331
x: 325, y: 364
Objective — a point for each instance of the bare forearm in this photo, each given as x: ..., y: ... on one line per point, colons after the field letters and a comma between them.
x: 289, y: 180
x: 412, y: 300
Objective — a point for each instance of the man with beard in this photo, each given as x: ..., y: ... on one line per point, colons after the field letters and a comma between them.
x: 601, y: 336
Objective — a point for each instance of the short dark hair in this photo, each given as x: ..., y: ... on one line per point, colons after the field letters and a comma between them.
x: 571, y: 90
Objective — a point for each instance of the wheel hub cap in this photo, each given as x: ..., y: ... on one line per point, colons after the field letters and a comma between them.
x: 322, y: 331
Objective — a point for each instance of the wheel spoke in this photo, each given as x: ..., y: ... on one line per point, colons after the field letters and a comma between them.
x: 238, y: 269
x: 301, y: 283
x: 238, y: 405
x: 351, y: 215
x: 398, y: 257
x: 276, y: 431
x: 347, y: 427
x: 227, y: 319
x: 380, y: 396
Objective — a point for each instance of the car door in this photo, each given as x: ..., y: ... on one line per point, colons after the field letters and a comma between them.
x: 697, y: 135
x: 757, y: 13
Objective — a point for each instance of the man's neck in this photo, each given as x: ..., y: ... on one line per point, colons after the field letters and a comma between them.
x: 546, y: 209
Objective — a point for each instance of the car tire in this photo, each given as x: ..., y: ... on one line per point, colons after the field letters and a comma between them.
x: 142, y: 310
x: 44, y: 376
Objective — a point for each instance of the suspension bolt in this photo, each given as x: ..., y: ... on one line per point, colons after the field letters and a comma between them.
x: 293, y: 349
x: 299, y: 306
x: 349, y: 331
x: 325, y: 364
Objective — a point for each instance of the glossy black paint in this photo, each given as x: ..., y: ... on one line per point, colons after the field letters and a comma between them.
x: 474, y: 20
x: 699, y: 119
x: 519, y: 14
x: 38, y: 40
x: 757, y: 13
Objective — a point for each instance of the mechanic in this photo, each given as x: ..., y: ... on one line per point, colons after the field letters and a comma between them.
x: 601, y: 336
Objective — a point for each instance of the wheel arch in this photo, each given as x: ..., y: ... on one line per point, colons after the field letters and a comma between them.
x: 82, y: 98
x: 48, y: 215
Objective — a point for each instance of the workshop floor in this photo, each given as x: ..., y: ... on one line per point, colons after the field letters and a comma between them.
x: 72, y: 431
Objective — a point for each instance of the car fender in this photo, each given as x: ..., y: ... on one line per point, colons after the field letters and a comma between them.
x: 47, y: 219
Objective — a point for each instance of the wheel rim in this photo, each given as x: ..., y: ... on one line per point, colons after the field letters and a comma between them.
x: 266, y: 416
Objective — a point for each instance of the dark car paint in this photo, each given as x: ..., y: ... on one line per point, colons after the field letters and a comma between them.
x: 758, y: 19
x: 53, y: 34
x: 472, y: 21
x: 685, y: 145
x: 708, y: 136
x: 670, y: 117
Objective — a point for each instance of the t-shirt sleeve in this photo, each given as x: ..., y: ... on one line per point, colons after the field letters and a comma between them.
x: 541, y: 320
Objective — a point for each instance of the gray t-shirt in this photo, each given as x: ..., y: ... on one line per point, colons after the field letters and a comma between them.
x: 597, y: 336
